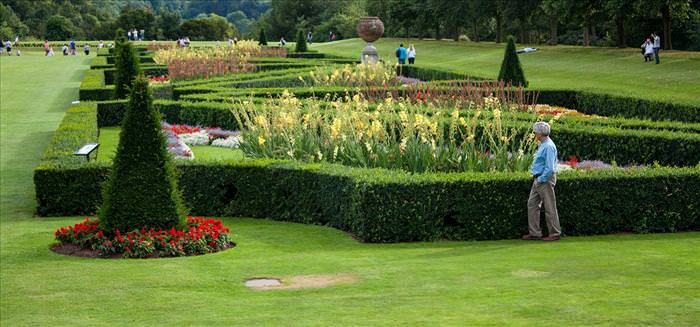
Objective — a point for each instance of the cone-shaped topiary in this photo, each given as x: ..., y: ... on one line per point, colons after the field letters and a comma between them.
x: 301, y: 42
x: 511, y: 71
x: 262, y: 40
x: 119, y: 36
x: 142, y: 189
x: 127, y: 68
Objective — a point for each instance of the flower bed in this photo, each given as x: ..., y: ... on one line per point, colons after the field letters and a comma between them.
x: 195, y: 135
x: 202, y: 236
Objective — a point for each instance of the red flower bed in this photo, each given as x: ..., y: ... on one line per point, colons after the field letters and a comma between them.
x: 203, y: 235
x: 182, y: 129
x: 158, y: 79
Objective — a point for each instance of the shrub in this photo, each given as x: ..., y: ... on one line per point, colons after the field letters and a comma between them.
x: 262, y: 39
x: 511, y: 71
x: 142, y: 190
x: 301, y: 42
x: 127, y: 68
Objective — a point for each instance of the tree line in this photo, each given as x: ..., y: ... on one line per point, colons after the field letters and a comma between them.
x: 99, y: 19
x: 619, y: 23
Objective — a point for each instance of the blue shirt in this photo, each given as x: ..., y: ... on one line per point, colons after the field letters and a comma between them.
x: 72, y: 44
x: 545, y: 161
x: 401, y: 53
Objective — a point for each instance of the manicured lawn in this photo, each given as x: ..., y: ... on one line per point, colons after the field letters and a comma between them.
x: 109, y: 140
x: 606, y: 280
x: 608, y: 70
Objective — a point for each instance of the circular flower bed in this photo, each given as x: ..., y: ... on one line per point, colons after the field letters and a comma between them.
x: 202, y: 235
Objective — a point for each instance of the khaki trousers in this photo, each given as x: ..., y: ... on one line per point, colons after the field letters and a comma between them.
x: 539, y: 194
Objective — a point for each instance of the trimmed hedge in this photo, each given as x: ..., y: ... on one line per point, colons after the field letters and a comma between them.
x: 392, y: 206
x: 142, y: 59
x: 93, y: 88
x: 148, y: 71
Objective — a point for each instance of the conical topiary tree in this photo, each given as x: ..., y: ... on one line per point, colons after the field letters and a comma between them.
x: 142, y: 189
x: 511, y: 71
x: 301, y: 42
x: 119, y: 36
x: 262, y: 40
x: 127, y: 67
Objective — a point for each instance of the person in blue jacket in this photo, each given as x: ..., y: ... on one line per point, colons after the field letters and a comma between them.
x: 401, y: 54
x: 72, y: 48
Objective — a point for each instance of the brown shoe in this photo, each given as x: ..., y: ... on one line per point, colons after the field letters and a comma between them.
x: 528, y: 237
x: 551, y: 238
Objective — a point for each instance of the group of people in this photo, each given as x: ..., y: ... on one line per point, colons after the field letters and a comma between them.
x: 402, y: 54
x: 135, y: 35
x: 70, y: 48
x: 651, y: 47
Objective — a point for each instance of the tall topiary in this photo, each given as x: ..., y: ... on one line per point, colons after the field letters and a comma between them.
x: 262, y: 40
x: 511, y: 71
x: 142, y: 188
x: 301, y: 42
x: 119, y: 36
x: 127, y: 67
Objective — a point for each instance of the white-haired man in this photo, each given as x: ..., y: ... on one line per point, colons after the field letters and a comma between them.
x: 542, y: 192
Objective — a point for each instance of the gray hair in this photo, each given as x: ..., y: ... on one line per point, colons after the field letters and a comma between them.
x: 541, y: 128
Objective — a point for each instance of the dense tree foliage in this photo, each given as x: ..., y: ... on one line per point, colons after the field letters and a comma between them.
x: 213, y: 27
x: 98, y: 19
x: 584, y: 22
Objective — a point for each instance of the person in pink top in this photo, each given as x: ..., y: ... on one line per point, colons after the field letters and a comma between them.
x: 46, y: 47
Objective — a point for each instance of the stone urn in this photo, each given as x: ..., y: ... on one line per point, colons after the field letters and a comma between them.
x: 370, y: 29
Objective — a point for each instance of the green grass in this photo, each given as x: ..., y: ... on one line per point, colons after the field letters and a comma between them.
x: 109, y: 140
x: 607, y: 280
x: 607, y: 70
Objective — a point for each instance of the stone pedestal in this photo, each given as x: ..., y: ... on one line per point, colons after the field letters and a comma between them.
x: 369, y: 54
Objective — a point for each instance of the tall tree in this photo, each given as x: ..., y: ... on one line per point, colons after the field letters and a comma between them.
x: 619, y: 11
x: 556, y: 11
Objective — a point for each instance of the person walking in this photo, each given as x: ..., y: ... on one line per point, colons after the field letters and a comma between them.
x: 648, y: 50
x: 411, y: 53
x: 657, y: 46
x: 8, y: 47
x: 46, y: 47
x: 65, y: 49
x: 283, y: 42
x: 401, y: 54
x: 72, y: 48
x: 309, y: 37
x: 542, y: 190
x: 86, y: 49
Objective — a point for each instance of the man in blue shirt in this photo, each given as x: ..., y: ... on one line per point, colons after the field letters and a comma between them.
x: 401, y: 54
x: 542, y: 192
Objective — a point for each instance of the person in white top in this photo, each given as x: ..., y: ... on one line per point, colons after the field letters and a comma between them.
x: 411, y: 54
x: 648, y: 50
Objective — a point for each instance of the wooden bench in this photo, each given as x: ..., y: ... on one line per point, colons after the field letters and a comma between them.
x: 86, y: 150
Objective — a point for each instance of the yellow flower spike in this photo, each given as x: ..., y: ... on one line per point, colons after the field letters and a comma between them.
x: 261, y: 140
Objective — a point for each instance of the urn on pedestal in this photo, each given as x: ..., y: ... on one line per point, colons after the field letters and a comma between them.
x: 370, y: 29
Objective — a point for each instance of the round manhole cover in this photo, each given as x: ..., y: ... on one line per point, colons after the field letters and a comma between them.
x: 263, y: 282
